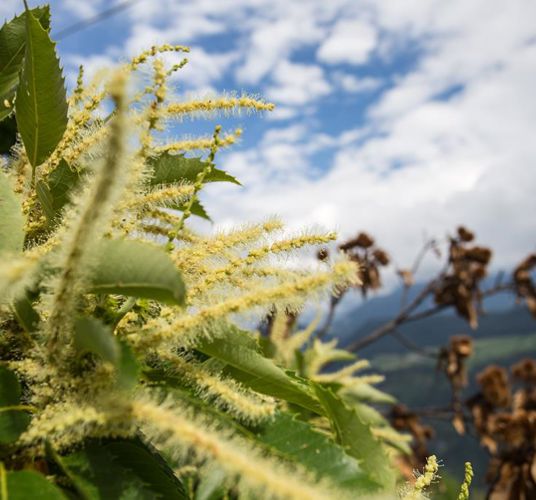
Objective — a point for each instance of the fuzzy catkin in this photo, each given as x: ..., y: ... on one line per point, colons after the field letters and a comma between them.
x: 173, y: 428
x: 86, y: 228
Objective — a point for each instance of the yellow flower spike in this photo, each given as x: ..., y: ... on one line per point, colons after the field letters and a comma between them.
x: 424, y: 480
x: 209, y: 164
x: 256, y: 255
x: 202, y: 143
x: 218, y: 243
x: 157, y: 331
x: 343, y: 373
x: 468, y: 478
x: 152, y: 52
x: 76, y: 96
x: 228, y: 394
x: 176, y: 428
x: 162, y: 196
x: 226, y: 104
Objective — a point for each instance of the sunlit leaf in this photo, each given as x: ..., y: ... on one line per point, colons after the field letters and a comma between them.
x: 41, y: 105
x: 169, y: 169
x: 11, y: 218
x: 138, y: 269
x: 12, y: 47
x: 26, y: 485
x: 13, y: 419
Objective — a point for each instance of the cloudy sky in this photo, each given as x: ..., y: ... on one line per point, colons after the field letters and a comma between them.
x: 402, y: 118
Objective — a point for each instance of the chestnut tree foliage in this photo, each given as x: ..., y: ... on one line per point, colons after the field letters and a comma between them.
x: 124, y: 372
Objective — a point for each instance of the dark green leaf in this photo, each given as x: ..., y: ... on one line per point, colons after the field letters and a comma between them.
x: 25, y: 313
x: 121, y: 470
x: 45, y: 199
x: 41, y: 105
x: 138, y: 269
x: 8, y: 134
x: 11, y: 218
x: 13, y: 421
x: 61, y: 183
x: 12, y: 45
x: 169, y: 169
x: 198, y: 209
x: 128, y: 368
x: 300, y: 443
x: 357, y: 438
x: 26, y: 485
x: 254, y: 370
x: 92, y: 335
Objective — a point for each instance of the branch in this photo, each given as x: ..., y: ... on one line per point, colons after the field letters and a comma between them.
x: 406, y: 315
x: 412, y: 346
x: 403, y: 315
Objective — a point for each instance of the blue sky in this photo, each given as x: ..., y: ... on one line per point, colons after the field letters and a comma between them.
x: 402, y: 118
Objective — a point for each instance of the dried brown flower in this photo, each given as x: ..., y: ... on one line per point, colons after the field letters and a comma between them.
x: 381, y: 257
x: 465, y: 234
x: 524, y: 284
x: 452, y: 360
x: 460, y: 286
x: 525, y: 370
x: 495, y: 385
x: 322, y: 254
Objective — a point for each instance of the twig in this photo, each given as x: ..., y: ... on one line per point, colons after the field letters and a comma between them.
x: 408, y: 344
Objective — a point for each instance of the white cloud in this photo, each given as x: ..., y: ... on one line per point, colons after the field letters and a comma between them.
x: 353, y: 84
x: 204, y: 68
x: 418, y: 162
x: 297, y: 84
x: 281, y: 113
x: 422, y: 164
x: 82, y: 9
x: 272, y: 42
x: 350, y: 41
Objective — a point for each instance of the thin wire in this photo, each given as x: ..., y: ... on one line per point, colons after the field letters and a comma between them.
x: 101, y: 16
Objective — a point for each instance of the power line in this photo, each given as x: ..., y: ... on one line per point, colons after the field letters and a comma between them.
x: 101, y: 16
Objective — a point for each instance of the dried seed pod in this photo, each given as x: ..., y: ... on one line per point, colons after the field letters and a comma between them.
x: 465, y: 234
x: 525, y: 370
x: 495, y: 385
x: 381, y: 256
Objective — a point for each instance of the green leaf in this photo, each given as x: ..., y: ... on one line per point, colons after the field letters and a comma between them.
x: 25, y: 313
x: 257, y: 372
x: 12, y: 47
x: 135, y: 268
x: 13, y: 421
x: 121, y: 470
x: 25, y: 485
x: 169, y: 169
x: 8, y: 133
x: 198, y: 209
x: 61, y: 183
x: 128, y: 368
x: 11, y: 218
x: 55, y: 193
x: 357, y: 438
x: 92, y: 335
x: 300, y: 443
x: 45, y: 200
x: 41, y: 105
